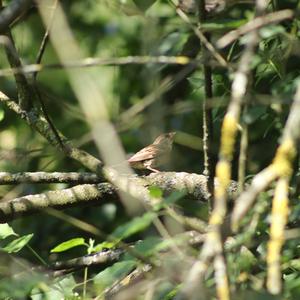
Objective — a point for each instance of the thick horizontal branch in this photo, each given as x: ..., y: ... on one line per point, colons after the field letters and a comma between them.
x: 46, y: 177
x: 193, y: 184
x: 59, y: 199
x: 192, y: 238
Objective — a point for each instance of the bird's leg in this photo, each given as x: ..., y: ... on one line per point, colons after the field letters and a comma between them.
x: 153, y: 170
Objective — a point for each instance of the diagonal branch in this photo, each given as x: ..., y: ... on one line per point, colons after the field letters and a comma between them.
x: 39, y: 124
x: 25, y: 92
x: 253, y: 25
x: 10, y: 13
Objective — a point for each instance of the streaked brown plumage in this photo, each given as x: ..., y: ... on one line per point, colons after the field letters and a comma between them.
x: 153, y: 155
x: 190, y: 6
x: 211, y: 6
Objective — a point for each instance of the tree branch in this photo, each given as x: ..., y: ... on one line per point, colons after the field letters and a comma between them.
x: 253, y: 25
x: 88, y: 260
x: 39, y: 124
x: 25, y: 91
x: 12, y: 12
x: 47, y: 177
x: 193, y: 184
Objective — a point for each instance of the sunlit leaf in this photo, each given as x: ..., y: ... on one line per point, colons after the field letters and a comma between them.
x: 155, y: 192
x: 2, y: 114
x: 5, y: 231
x: 104, y: 245
x: 224, y: 24
x: 17, y: 244
x: 69, y: 245
x: 269, y: 31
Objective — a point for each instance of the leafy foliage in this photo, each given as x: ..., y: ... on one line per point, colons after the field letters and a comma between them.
x: 143, y: 100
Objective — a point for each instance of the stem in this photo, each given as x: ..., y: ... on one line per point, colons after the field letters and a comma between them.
x: 209, y: 167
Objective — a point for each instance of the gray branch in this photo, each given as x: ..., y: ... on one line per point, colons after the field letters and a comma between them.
x: 61, y: 199
x: 88, y: 260
x: 90, y: 194
x: 47, y: 177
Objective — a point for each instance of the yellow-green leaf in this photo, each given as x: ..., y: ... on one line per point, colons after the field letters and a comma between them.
x: 69, y: 245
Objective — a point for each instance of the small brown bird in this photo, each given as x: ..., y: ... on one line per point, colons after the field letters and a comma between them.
x: 211, y: 6
x: 153, y: 155
x: 190, y: 6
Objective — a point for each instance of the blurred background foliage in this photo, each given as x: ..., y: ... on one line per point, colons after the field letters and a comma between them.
x: 117, y: 28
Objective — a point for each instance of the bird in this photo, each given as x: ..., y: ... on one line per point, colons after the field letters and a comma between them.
x: 154, y: 155
x: 211, y: 6
x: 190, y: 6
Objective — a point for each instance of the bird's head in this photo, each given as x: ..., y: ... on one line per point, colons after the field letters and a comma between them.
x: 165, y: 139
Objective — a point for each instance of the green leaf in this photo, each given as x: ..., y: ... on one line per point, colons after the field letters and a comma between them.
x: 149, y: 246
x: 69, y: 245
x: 253, y: 114
x: 62, y: 289
x: 144, y: 4
x: 17, y: 278
x: 2, y: 114
x: 155, y: 192
x: 104, y: 245
x: 173, y: 198
x: 115, y: 272
x: 154, y: 244
x: 129, y: 8
x: 17, y: 244
x: 134, y: 226
x: 269, y: 31
x: 223, y: 24
x: 5, y: 231
x: 196, y: 82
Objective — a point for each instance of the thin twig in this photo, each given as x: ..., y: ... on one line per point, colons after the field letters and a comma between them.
x: 166, y: 84
x: 209, y: 168
x: 219, y: 58
x: 254, y: 25
x: 95, y: 61
x: 44, y: 40
x: 34, y: 75
x: 39, y: 124
x: 24, y: 90
x: 243, y: 157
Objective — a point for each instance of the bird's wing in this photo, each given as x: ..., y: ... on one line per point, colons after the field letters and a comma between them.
x: 145, y: 153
